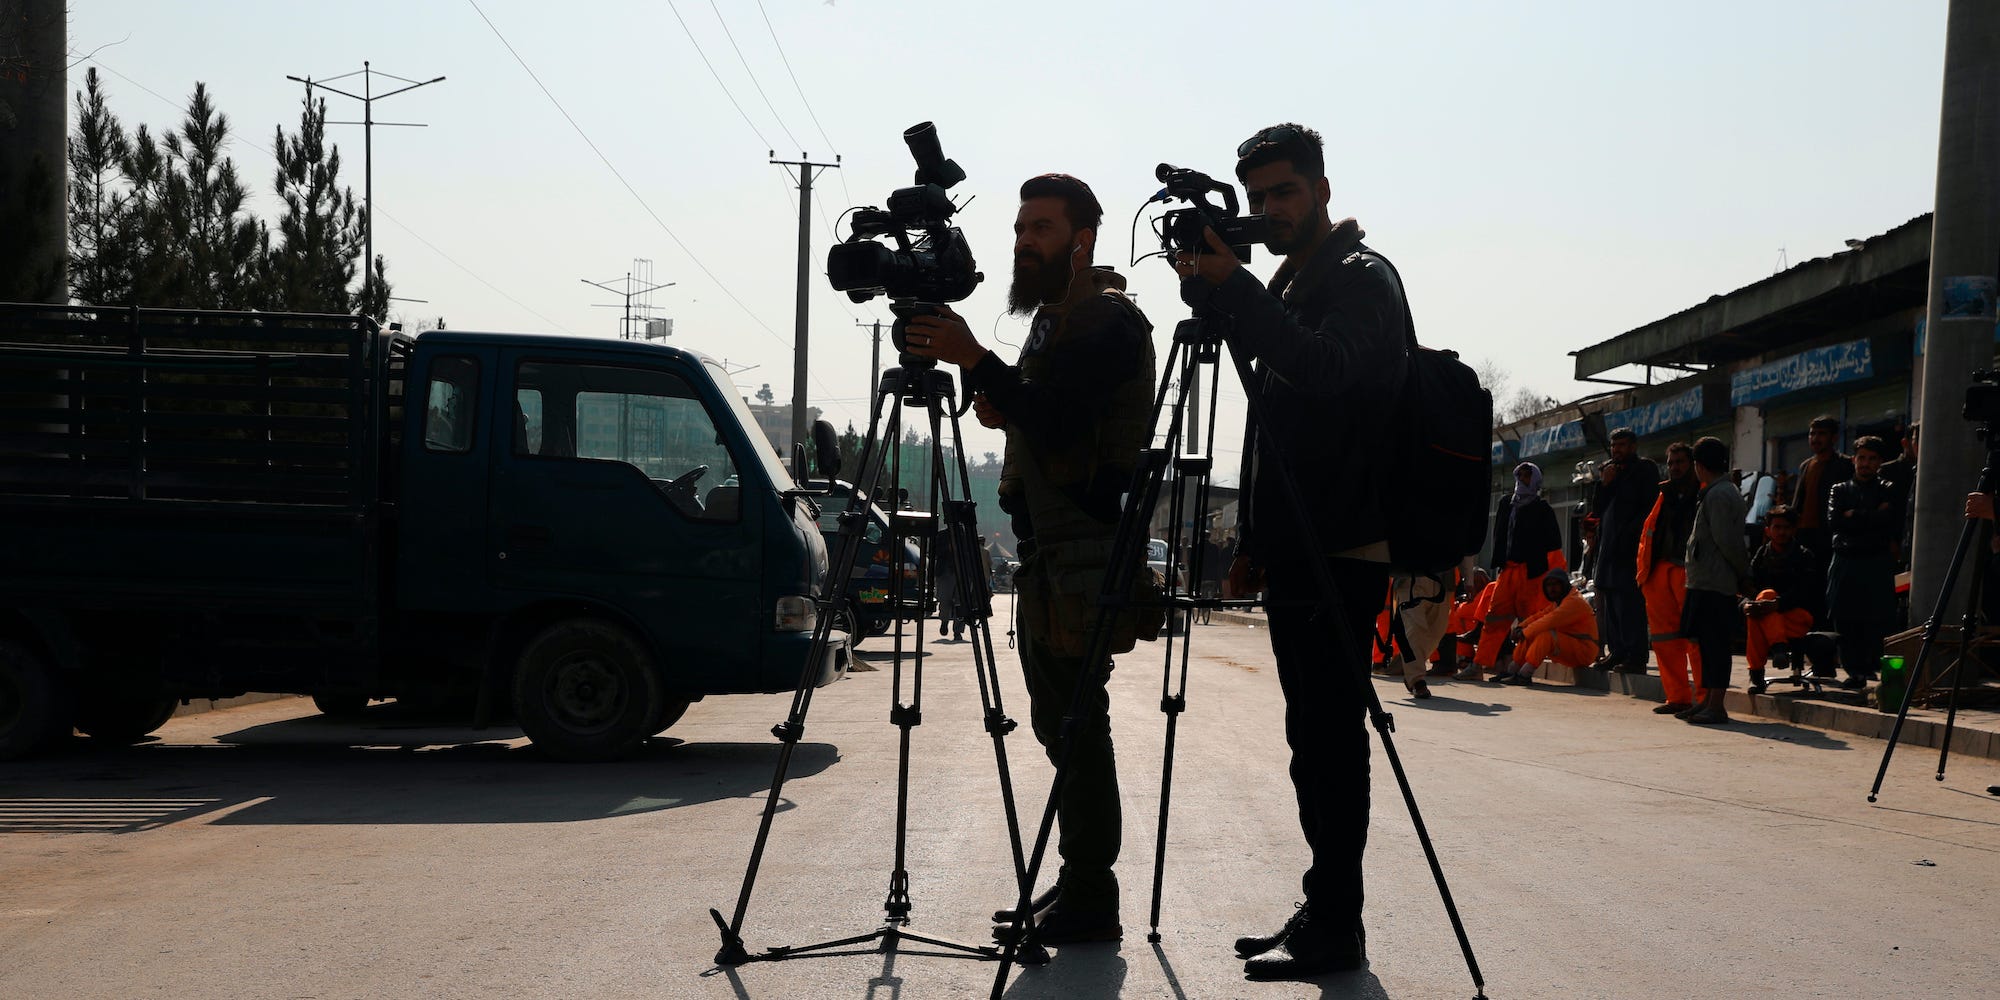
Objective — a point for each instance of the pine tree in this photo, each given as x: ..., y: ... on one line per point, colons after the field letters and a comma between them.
x: 312, y: 268
x: 100, y: 214
x: 197, y: 245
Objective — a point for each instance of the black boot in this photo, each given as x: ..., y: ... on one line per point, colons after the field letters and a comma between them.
x: 1311, y: 949
x: 1063, y: 924
x: 1260, y: 943
x: 1042, y: 901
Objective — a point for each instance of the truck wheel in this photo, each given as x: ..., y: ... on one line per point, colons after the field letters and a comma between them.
x: 35, y: 702
x: 121, y: 721
x: 587, y: 690
x: 843, y: 619
x: 671, y: 710
x: 340, y: 706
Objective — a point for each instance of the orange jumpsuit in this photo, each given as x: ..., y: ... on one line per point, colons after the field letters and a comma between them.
x: 1664, y: 586
x: 1761, y: 633
x: 1465, y: 615
x: 1565, y: 632
x: 1516, y: 595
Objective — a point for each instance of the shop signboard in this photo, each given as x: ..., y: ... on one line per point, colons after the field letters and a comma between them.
x: 1820, y: 366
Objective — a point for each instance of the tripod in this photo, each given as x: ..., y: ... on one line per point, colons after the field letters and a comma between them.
x: 1982, y: 530
x: 923, y: 386
x: 1197, y: 348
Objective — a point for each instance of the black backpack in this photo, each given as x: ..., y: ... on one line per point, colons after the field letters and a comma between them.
x: 1442, y: 445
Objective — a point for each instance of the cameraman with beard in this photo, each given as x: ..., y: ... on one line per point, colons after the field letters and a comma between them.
x: 1077, y: 411
x: 1330, y: 338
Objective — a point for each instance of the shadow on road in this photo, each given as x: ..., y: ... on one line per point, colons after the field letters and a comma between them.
x: 1080, y: 970
x: 1441, y: 702
x: 357, y: 773
x: 1783, y: 733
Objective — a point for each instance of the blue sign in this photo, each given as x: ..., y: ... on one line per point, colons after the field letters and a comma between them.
x: 1830, y: 365
x: 1544, y: 440
x: 1503, y: 452
x: 1658, y: 415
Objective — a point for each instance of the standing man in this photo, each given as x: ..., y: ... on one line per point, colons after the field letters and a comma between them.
x: 1623, y: 500
x: 1076, y: 411
x: 1527, y: 543
x: 1330, y: 338
x: 1866, y: 516
x: 1825, y: 468
x: 1718, y: 569
x: 1663, y: 578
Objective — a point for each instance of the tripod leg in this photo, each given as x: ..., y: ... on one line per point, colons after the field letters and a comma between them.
x: 1967, y: 641
x: 1965, y: 535
x: 792, y: 729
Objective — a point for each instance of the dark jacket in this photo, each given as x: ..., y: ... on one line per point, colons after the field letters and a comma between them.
x: 1331, y: 347
x: 1529, y: 539
x: 1795, y: 574
x: 1866, y: 516
x: 1621, y: 510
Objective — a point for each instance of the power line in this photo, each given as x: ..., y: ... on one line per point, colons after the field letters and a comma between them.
x: 718, y: 77
x: 497, y: 290
x: 726, y: 33
x: 802, y: 94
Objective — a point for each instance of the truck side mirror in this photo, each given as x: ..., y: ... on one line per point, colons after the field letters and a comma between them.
x: 826, y: 446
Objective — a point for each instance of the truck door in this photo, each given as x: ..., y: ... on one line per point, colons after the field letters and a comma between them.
x: 442, y: 562
x: 618, y: 488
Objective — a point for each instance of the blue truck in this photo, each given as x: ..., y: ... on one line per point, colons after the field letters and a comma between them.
x: 586, y: 534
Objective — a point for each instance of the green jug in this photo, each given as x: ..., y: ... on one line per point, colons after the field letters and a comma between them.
x: 1895, y: 680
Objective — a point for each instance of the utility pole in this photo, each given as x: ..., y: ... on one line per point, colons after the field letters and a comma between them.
x: 367, y: 97
x: 628, y: 293
x: 1958, y: 322
x: 34, y: 127
x: 800, y: 436
x: 874, y: 364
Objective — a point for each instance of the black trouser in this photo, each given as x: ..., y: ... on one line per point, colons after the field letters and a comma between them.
x: 1624, y: 626
x: 1092, y: 822
x: 1325, y: 724
x: 1861, y: 596
x: 1711, y: 619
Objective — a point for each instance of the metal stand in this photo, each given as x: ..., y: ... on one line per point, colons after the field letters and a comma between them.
x: 932, y: 390
x: 1982, y: 530
x: 1196, y: 346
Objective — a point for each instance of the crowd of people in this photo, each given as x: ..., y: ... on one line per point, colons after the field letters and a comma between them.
x: 1674, y: 579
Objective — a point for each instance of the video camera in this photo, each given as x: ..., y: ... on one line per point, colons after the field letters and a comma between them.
x: 1181, y: 228
x: 930, y: 263
x: 1982, y: 397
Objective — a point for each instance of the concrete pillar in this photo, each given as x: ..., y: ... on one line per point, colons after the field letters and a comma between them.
x: 1959, y: 320
x: 34, y: 124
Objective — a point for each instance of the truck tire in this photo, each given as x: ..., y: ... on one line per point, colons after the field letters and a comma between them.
x: 587, y: 690
x: 35, y: 702
x: 121, y: 721
x: 671, y: 710
x: 845, y: 621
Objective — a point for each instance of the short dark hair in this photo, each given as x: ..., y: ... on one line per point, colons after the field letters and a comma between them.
x: 1625, y: 434
x: 1682, y: 448
x: 1300, y: 145
x: 1824, y: 422
x: 1783, y: 513
x: 1874, y: 444
x: 1079, y: 204
x: 1711, y: 454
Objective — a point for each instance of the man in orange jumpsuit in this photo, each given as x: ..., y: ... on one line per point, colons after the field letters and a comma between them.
x: 1565, y: 631
x: 1663, y: 577
x: 1790, y: 593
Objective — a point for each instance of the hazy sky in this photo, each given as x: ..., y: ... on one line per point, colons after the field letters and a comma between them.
x: 1545, y: 175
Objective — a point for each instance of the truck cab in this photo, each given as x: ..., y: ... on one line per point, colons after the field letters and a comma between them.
x: 593, y: 532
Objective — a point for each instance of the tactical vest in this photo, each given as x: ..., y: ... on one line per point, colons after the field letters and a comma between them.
x: 1055, y: 476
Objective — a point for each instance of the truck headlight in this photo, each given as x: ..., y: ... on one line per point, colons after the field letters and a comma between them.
x: 796, y: 614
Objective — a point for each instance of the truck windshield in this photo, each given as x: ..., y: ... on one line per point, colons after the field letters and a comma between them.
x: 766, y: 453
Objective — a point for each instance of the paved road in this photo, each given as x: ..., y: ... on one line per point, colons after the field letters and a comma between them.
x: 1595, y: 849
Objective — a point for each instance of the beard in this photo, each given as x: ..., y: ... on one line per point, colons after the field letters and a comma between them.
x: 1037, y: 281
x: 1292, y: 238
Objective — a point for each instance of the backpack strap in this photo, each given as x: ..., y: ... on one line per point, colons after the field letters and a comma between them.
x: 1363, y: 251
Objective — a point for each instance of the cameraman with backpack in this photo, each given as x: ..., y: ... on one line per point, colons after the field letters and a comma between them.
x: 1329, y: 336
